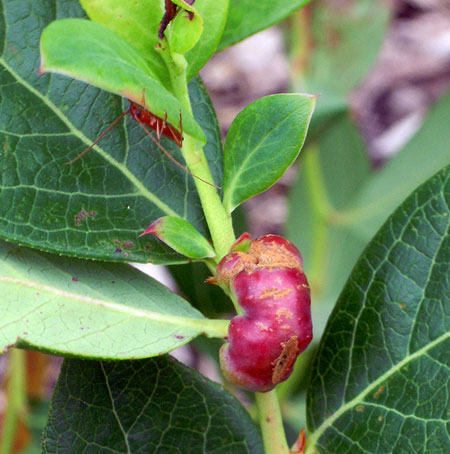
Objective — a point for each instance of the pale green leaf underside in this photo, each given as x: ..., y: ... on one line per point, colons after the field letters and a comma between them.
x: 137, y: 23
x: 83, y: 308
x: 88, y: 51
x: 182, y: 236
x: 145, y: 407
x: 263, y: 141
x: 381, y: 376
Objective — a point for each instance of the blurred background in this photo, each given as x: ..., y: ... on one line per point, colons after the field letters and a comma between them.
x: 381, y: 128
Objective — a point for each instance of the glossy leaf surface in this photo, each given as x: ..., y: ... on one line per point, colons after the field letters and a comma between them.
x: 87, y: 51
x: 247, y: 17
x: 263, y: 141
x: 380, y: 379
x: 148, y: 406
x: 71, y: 306
x: 97, y: 206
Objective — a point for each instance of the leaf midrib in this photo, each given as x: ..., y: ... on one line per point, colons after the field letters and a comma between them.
x: 122, y: 168
x: 233, y: 184
x: 327, y: 423
x: 211, y: 327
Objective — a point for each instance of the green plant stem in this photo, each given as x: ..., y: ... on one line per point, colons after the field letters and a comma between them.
x: 16, y: 399
x: 271, y: 423
x: 218, y: 220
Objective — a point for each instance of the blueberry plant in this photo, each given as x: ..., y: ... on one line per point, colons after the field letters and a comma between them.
x: 76, y: 209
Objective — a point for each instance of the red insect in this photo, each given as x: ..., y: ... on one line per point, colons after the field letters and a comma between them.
x: 145, y: 118
x: 160, y: 125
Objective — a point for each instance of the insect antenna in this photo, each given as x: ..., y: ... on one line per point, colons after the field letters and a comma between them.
x: 100, y: 137
x: 156, y: 142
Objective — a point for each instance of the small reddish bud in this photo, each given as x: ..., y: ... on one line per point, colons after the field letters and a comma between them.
x: 271, y: 288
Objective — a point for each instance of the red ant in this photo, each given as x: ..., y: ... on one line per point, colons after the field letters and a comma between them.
x: 160, y: 125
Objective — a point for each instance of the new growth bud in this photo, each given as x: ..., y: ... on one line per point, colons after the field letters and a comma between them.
x: 273, y: 292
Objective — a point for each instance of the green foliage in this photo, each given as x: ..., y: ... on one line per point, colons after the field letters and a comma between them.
x: 97, y: 206
x: 263, y: 141
x: 380, y: 378
x: 247, y: 17
x: 181, y: 236
x: 88, y: 51
x: 155, y: 405
x: 214, y: 14
x: 135, y: 23
x: 91, y: 309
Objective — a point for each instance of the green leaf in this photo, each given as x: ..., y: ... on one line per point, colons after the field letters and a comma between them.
x: 97, y: 310
x: 135, y: 22
x: 181, y: 236
x: 184, y: 31
x: 263, y: 141
x: 97, y: 206
x: 88, y: 51
x: 246, y: 17
x: 381, y: 377
x: 214, y: 15
x: 147, y: 406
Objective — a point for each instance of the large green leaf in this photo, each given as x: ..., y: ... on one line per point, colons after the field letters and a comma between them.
x: 381, y: 376
x: 97, y: 206
x: 145, y: 407
x: 263, y: 141
x: 88, y: 51
x: 246, y: 17
x: 70, y: 306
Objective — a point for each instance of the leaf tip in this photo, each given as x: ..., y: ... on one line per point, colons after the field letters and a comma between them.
x: 152, y: 229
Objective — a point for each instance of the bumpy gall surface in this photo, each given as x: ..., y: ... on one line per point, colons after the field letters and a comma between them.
x: 271, y: 288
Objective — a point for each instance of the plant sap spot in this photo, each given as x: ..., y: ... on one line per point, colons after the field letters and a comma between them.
x: 179, y: 336
x: 360, y: 408
x: 74, y: 279
x: 379, y: 392
x: 128, y: 244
